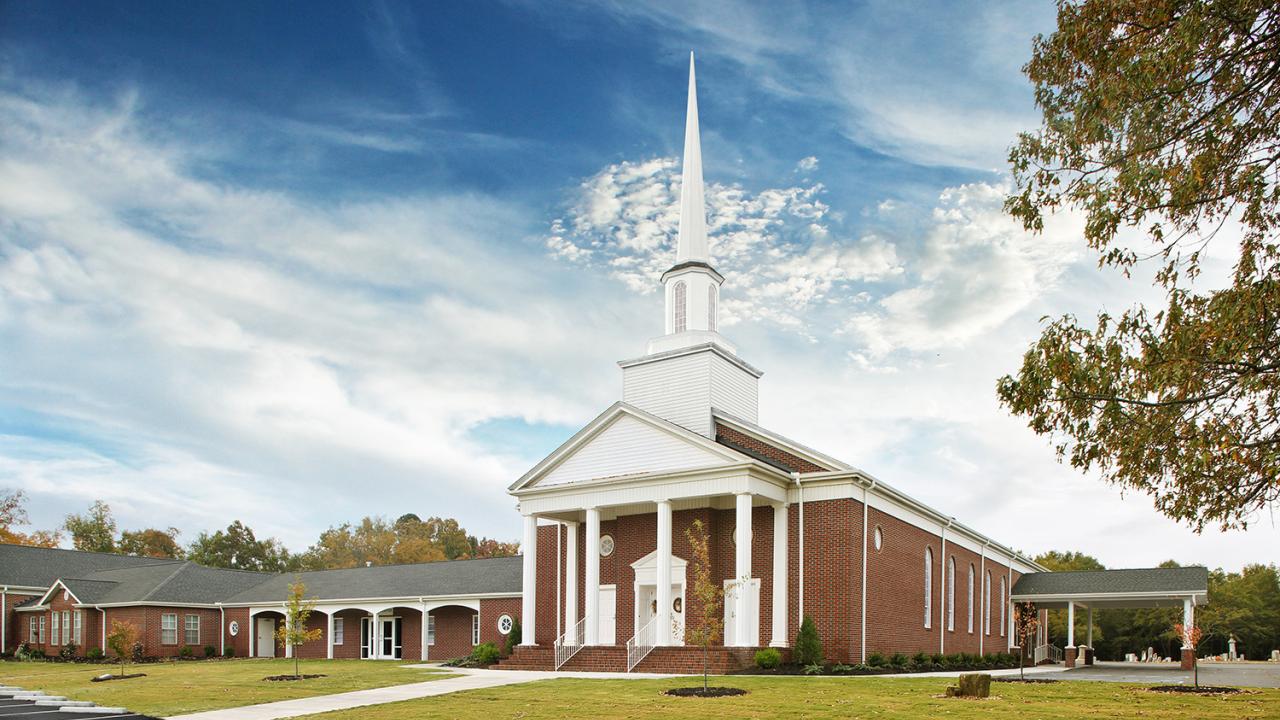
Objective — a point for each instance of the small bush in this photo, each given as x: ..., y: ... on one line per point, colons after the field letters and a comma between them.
x: 94, y: 653
x: 898, y: 660
x: 37, y: 654
x: 23, y: 652
x: 210, y: 651
x: 813, y: 669
x: 876, y: 660
x: 808, y: 649
x: 185, y: 651
x: 137, y: 652
x: 921, y: 660
x: 485, y: 654
x: 68, y: 651
x: 514, y: 637
x: 841, y: 669
x: 228, y: 652
x: 768, y: 658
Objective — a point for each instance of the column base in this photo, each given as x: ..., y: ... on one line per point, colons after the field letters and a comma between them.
x: 1070, y: 657
x: 1188, y: 659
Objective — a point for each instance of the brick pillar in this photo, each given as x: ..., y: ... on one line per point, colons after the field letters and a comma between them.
x: 1070, y: 656
x: 1188, y: 658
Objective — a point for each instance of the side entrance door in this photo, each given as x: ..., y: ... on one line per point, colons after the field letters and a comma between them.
x: 266, y: 639
x: 391, y: 644
x: 608, y: 614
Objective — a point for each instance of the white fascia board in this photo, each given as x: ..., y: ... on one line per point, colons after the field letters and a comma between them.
x: 602, y: 421
x: 1116, y: 596
x: 25, y: 589
x: 44, y: 599
x: 692, y: 349
x: 752, y: 477
x: 407, y: 600
x: 768, y: 436
x: 149, y: 603
x: 904, y: 507
x: 31, y: 608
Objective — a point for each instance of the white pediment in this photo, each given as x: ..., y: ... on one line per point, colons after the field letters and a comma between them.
x: 624, y: 441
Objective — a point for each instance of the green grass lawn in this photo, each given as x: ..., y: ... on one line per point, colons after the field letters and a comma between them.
x: 171, y: 688
x: 800, y: 697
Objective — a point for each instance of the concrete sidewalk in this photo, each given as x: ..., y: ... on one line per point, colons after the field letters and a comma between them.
x: 466, y: 680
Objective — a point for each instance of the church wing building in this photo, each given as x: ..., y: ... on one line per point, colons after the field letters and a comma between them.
x: 792, y: 532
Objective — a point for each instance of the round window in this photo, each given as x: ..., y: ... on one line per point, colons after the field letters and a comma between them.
x: 879, y: 538
x: 606, y: 545
x: 505, y: 623
x: 233, y: 628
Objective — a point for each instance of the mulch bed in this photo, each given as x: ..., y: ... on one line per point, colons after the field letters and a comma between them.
x: 708, y: 692
x: 1193, y: 690
x: 104, y: 678
x: 281, y: 678
x: 1042, y: 681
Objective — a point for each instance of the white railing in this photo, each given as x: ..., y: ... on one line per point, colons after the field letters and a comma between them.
x: 568, y: 644
x: 641, y: 644
x: 1047, y: 652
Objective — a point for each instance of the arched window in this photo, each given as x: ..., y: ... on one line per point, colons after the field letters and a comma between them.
x: 970, y: 605
x: 679, y: 292
x: 928, y: 587
x: 1003, y: 621
x: 711, y: 308
x: 986, y: 609
x: 951, y: 593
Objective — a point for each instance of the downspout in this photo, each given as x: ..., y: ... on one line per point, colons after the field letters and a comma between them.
x: 984, y: 599
x: 102, y: 610
x: 942, y: 616
x: 865, y: 547
x: 800, y: 488
x: 559, y: 581
x: 222, y: 630
x: 4, y: 619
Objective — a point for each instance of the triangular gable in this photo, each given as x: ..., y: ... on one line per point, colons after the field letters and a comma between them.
x: 625, y: 440
x: 44, y: 599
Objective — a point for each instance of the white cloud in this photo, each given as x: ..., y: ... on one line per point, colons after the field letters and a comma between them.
x: 808, y: 164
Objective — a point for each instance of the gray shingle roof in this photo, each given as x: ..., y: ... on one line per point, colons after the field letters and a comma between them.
x: 455, y: 577
x: 39, y: 567
x: 1140, y: 580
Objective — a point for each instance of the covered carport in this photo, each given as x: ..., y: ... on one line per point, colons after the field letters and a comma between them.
x: 1185, y: 587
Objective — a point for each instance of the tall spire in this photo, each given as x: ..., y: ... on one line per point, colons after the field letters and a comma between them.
x: 692, y: 243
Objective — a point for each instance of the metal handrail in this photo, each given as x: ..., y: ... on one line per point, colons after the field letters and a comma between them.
x: 1047, y: 652
x: 641, y: 644
x: 568, y: 644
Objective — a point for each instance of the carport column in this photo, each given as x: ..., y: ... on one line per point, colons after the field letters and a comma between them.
x: 1071, y: 624
x: 662, y: 633
x: 253, y: 646
x: 529, y: 591
x: 742, y: 566
x: 328, y: 633
x: 592, y: 616
x: 1188, y: 622
x: 779, y: 635
x: 571, y: 583
x: 422, y: 640
x: 1089, y: 635
x: 375, y: 647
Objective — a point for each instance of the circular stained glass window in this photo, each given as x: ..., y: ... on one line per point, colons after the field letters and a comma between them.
x: 606, y: 545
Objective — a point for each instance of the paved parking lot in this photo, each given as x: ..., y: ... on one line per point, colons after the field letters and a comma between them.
x: 1255, y: 674
x: 29, y: 710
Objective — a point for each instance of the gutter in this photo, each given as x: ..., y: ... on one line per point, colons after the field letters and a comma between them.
x: 4, y: 618
x: 800, y: 531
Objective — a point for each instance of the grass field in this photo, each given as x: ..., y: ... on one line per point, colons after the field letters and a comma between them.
x: 797, y: 697
x: 171, y: 688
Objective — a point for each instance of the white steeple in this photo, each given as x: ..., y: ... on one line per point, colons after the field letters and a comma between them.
x: 692, y: 244
x: 692, y: 369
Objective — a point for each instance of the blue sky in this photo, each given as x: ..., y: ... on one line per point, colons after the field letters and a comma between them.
x: 297, y: 263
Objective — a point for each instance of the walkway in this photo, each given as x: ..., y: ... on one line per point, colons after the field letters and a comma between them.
x: 1241, y: 674
x: 466, y: 680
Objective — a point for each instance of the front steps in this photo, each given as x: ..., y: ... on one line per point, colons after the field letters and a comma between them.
x: 613, y: 658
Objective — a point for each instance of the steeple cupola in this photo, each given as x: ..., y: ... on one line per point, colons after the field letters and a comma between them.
x: 691, y: 371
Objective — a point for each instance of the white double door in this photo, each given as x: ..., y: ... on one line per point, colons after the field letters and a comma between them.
x: 647, y: 609
x: 388, y: 644
x: 731, y: 612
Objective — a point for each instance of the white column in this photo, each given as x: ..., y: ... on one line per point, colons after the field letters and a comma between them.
x: 1188, y: 617
x: 592, y: 615
x: 779, y: 635
x: 529, y: 590
x: 1089, y: 636
x: 329, y: 634
x: 422, y: 632
x: 571, y: 582
x: 375, y: 647
x: 742, y: 566
x: 1071, y: 624
x: 253, y: 646
x: 662, y: 631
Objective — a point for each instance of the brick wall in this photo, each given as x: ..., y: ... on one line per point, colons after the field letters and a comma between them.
x: 490, y: 610
x: 14, y: 622
x: 792, y: 463
x: 453, y: 632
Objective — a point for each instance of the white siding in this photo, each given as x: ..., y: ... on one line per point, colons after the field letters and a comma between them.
x: 629, y: 446
x: 734, y: 390
x: 683, y: 389
x: 677, y: 389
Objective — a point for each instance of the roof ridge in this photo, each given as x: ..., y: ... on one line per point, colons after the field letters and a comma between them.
x: 87, y: 552
x: 162, y: 583
x: 1180, y: 567
x: 398, y: 565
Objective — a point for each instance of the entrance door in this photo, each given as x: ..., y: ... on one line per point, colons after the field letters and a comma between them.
x: 391, y: 644
x: 647, y: 608
x: 608, y: 614
x: 266, y: 639
x: 731, y: 612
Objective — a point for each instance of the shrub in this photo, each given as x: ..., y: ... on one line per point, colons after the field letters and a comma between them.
x: 937, y: 659
x: 186, y: 651
x: 37, y: 654
x: 876, y: 660
x: 94, y: 653
x: 68, y: 651
x: 808, y: 649
x: 485, y: 654
x: 841, y: 669
x: 137, y: 652
x: 23, y: 652
x: 228, y: 652
x: 813, y: 669
x: 898, y: 660
x: 768, y: 658
x: 921, y: 660
x: 210, y: 651
x: 514, y: 637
